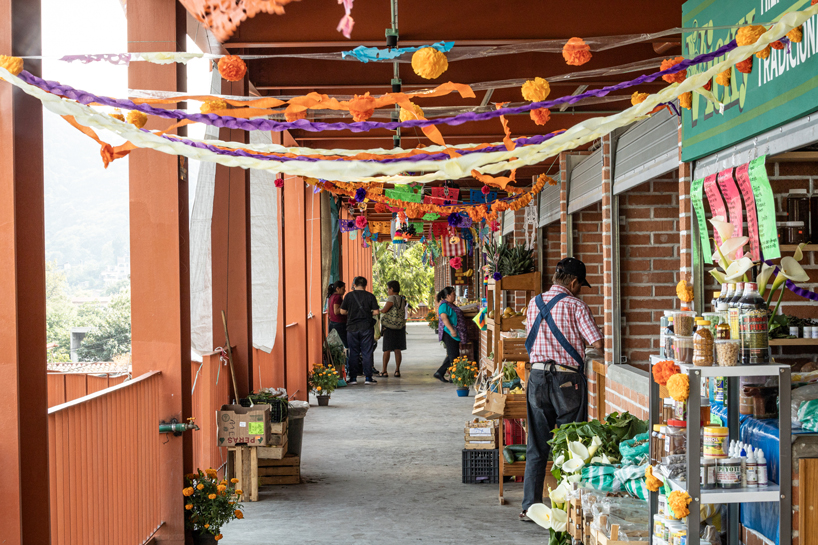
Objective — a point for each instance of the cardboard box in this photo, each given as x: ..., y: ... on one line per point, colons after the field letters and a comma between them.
x: 244, y: 425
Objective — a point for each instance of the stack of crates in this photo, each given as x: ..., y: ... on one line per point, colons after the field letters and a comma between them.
x: 481, y: 466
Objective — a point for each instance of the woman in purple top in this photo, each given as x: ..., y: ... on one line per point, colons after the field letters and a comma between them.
x: 338, y: 322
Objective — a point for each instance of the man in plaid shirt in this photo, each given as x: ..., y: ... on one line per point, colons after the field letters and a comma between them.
x: 559, y: 325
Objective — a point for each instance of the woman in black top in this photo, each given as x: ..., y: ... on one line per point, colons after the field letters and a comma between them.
x: 360, y: 306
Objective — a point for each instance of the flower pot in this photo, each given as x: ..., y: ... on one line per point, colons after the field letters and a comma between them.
x: 203, y: 537
x: 323, y: 401
x: 462, y: 391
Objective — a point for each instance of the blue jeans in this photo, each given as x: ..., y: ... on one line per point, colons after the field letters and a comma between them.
x: 361, y: 349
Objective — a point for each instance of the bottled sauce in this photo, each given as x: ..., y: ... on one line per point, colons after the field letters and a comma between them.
x: 733, y: 311
x: 727, y: 295
x: 753, y: 327
x: 714, y: 303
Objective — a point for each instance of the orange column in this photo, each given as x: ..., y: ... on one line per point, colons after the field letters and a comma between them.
x: 345, y: 253
x: 230, y: 258
x: 315, y: 329
x: 295, y: 271
x: 24, y: 496
x: 160, y: 274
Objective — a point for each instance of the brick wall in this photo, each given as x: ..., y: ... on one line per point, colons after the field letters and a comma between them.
x: 619, y: 398
x: 649, y: 263
x: 587, y: 240
x: 551, y: 247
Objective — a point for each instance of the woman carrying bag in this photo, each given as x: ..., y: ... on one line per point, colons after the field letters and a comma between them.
x: 393, y: 326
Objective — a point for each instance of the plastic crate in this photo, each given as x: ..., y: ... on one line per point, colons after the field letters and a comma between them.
x: 481, y: 466
x: 514, y: 433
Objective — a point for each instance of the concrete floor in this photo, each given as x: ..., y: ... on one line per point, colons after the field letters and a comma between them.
x: 382, y: 464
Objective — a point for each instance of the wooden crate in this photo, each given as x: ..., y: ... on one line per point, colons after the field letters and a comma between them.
x: 279, y: 428
x: 277, y: 472
x: 602, y: 539
x: 242, y: 464
x: 575, y: 519
x: 485, y: 441
x: 515, y: 407
x: 274, y: 453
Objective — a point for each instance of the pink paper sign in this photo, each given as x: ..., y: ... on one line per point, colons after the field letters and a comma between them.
x: 730, y: 191
x: 716, y: 203
x: 743, y: 177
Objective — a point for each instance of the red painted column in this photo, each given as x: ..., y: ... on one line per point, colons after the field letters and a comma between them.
x: 24, y: 497
x: 230, y: 258
x: 295, y: 269
x: 160, y: 261
x: 315, y: 329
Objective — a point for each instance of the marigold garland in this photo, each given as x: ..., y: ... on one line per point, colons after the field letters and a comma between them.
x: 745, y: 66
x: 406, y: 115
x: 137, y: 118
x: 12, y: 64
x: 708, y: 86
x: 212, y: 106
x: 679, y: 387
x: 118, y: 115
x: 686, y: 100
x: 796, y: 35
x: 429, y: 63
x: 536, y: 90
x: 679, y: 501
x: 723, y: 78
x: 576, y: 52
x: 678, y: 77
x: 663, y: 370
x: 638, y: 98
x: 748, y: 35
x: 778, y: 45
x: 684, y: 291
x: 232, y: 68
x: 651, y: 482
x: 540, y: 116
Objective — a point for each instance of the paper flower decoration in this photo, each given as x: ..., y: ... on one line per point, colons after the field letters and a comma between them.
x: 456, y: 262
x: 684, y: 291
x: 745, y: 66
x: 429, y: 63
x: 778, y: 44
x: 651, y: 482
x: 494, y: 225
x: 455, y: 220
x: 137, y: 118
x: 678, y: 77
x: 485, y: 190
x: 796, y: 35
x: 663, y: 370
x: 118, y: 115
x: 415, y: 113
x: 211, y: 106
x: 381, y: 208
x: 294, y: 116
x: 13, y: 64
x: 679, y: 386
x: 542, y: 179
x: 497, y: 276
x: 576, y: 52
x: 279, y: 182
x: 540, y: 116
x: 536, y: 90
x: 232, y: 68
x: 679, y: 501
x: 638, y: 98
x: 360, y: 222
x: 748, y: 35
x: 686, y: 100
x: 362, y: 107
x: 723, y: 78
x: 360, y: 194
x: 708, y: 86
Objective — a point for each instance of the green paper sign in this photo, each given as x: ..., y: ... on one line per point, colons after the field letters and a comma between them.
x: 765, y: 206
x: 781, y: 88
x: 255, y: 428
x: 696, y: 188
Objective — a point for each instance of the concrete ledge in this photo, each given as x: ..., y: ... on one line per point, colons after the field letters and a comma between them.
x: 630, y: 377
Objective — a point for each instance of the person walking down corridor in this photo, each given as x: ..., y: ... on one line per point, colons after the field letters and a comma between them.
x: 393, y: 326
x: 337, y: 321
x: 558, y: 323
x: 451, y: 329
x: 359, y: 306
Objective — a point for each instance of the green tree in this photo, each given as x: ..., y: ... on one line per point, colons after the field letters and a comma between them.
x: 60, y: 314
x: 417, y: 280
x: 111, y: 329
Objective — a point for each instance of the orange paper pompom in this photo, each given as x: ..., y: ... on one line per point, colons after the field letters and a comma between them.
x: 429, y: 63
x: 542, y: 179
x: 686, y: 100
x: 679, y: 386
x: 540, y: 116
x: 796, y: 35
x: 678, y: 502
x: 684, y: 289
x: 653, y: 484
x: 118, y: 115
x: 723, y: 78
x: 406, y: 115
x: 13, y: 64
x: 745, y: 66
x: 576, y: 52
x: 748, y: 35
x: 708, y: 86
x: 778, y: 45
x: 362, y: 107
x: 663, y: 370
x: 638, y: 98
x: 210, y: 106
x: 232, y: 68
x: 137, y: 118
x: 536, y: 90
x: 289, y: 117
x: 678, y: 77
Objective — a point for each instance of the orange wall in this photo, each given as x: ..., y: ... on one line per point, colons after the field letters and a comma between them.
x: 65, y: 387
x: 295, y: 287
x: 315, y: 330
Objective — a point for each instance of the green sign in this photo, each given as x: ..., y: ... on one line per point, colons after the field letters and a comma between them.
x: 781, y: 88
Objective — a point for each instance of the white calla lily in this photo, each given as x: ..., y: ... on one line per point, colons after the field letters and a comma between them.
x: 541, y: 514
x: 719, y: 276
x: 578, y: 450
x: 792, y: 270
x: 596, y: 442
x: 722, y: 227
x: 575, y: 478
x: 560, y: 494
x: 798, y: 254
x: 601, y: 459
x: 559, y: 520
x: 730, y: 246
x: 738, y: 269
x: 559, y: 461
x: 572, y: 465
x: 763, y: 277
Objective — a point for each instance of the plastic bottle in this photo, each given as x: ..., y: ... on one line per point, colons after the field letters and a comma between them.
x: 761, y: 462
x: 753, y: 327
x: 752, y: 470
x: 743, y: 457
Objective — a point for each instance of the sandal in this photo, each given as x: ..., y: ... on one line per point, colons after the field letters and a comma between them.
x: 384, y: 375
x: 397, y: 374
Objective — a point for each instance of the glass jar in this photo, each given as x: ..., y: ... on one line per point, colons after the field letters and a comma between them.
x: 683, y: 348
x: 714, y: 318
x: 723, y: 331
x: 797, y: 206
x: 683, y: 321
x: 813, y: 212
x: 676, y: 437
x: 795, y: 232
x: 727, y: 352
x: 703, y: 346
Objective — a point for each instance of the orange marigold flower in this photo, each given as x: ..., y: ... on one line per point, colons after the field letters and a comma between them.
x: 748, y: 35
x: 239, y: 492
x: 708, y: 86
x: 218, y: 537
x: 362, y: 107
x: 796, y: 35
x: 679, y: 501
x: 576, y: 52
x: 318, y: 388
x: 190, y: 476
x: 723, y: 78
x: 239, y: 514
x: 199, y: 486
x: 778, y: 44
x: 234, y: 480
x: 188, y: 491
x: 429, y: 63
x: 540, y: 116
x: 221, y: 488
x: 118, y: 115
x: 137, y: 118
x: 536, y: 90
x: 678, y: 77
x: 638, y: 98
x: 663, y: 370
x: 232, y: 68
x: 13, y: 64
x: 684, y: 291
x: 745, y: 66
x: 416, y: 113
x: 207, y: 526
x: 764, y: 53
x: 653, y: 484
x: 679, y: 387
x: 189, y: 506
x: 212, y: 106
x: 211, y: 496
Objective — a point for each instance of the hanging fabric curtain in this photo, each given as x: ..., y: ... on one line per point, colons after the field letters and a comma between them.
x: 335, y: 273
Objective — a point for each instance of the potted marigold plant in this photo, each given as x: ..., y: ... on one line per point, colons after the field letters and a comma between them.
x: 464, y: 373
x: 322, y: 381
x: 209, y: 505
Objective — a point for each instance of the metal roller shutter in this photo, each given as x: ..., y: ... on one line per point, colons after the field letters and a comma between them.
x: 549, y: 210
x: 584, y: 180
x: 646, y: 150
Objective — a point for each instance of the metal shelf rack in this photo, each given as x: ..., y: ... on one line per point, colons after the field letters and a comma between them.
x: 781, y: 492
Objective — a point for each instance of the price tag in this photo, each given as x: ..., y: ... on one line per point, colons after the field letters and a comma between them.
x: 696, y: 188
x: 255, y: 428
x: 733, y: 197
x: 743, y: 178
x: 765, y: 206
x: 716, y: 203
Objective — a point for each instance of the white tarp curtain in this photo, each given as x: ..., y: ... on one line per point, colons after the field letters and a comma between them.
x: 264, y: 250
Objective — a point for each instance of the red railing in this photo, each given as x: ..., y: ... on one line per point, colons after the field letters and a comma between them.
x: 211, y: 390
x: 104, y: 465
x: 65, y: 387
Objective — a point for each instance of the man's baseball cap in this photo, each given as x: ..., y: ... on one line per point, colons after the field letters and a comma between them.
x: 574, y: 267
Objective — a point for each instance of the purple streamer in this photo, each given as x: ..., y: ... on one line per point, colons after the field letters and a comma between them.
x: 228, y: 122
x: 801, y: 292
x: 119, y: 59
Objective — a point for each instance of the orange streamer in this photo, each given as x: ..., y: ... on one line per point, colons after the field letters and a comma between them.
x: 109, y: 153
